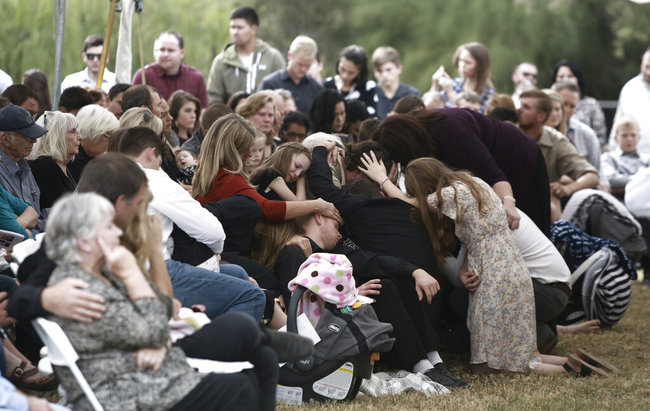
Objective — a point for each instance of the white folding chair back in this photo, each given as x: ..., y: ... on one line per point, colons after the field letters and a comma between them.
x: 24, y: 249
x: 63, y: 354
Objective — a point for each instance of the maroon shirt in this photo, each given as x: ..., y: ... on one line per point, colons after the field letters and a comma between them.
x: 188, y: 79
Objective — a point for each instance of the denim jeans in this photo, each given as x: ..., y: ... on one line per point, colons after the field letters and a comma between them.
x: 220, y: 293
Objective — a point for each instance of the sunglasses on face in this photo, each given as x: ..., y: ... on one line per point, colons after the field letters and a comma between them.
x: 91, y: 56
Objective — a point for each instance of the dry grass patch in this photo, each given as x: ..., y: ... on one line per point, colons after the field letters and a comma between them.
x: 625, y: 345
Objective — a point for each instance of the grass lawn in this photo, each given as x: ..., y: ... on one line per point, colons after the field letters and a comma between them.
x: 625, y: 345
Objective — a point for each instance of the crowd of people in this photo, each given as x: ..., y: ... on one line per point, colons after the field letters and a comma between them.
x: 171, y: 192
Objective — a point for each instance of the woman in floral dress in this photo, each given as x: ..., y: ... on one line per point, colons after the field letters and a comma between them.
x: 501, y: 319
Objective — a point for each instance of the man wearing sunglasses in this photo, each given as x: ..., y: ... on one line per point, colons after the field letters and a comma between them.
x: 87, y: 78
x: 524, y: 78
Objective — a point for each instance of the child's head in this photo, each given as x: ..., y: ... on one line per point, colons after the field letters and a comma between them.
x: 387, y: 66
x: 433, y: 100
x: 185, y: 158
x: 469, y: 99
x: 257, y: 151
x: 627, y: 136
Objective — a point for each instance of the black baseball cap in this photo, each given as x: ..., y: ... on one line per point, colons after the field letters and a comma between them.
x: 16, y: 118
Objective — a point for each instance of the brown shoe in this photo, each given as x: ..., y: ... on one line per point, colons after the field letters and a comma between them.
x: 20, y: 375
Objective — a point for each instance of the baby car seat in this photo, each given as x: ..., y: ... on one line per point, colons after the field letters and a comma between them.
x: 349, y: 345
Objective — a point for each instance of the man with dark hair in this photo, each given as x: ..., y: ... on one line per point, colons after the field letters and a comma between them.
x: 354, y: 154
x: 91, y: 55
x: 210, y: 115
x: 568, y: 170
x: 295, y: 126
x: 243, y: 63
x: 142, y: 96
x: 115, y: 95
x: 18, y: 133
x: 229, y: 291
x: 168, y: 73
x: 73, y: 99
x: 23, y: 96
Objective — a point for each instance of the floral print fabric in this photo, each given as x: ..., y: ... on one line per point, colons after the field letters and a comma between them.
x: 501, y: 317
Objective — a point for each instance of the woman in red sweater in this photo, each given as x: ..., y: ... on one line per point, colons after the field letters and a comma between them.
x: 221, y: 172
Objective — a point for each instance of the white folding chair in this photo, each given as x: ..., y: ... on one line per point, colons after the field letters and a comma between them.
x: 61, y: 353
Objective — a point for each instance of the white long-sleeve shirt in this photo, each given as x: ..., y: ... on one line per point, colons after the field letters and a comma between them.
x: 634, y: 101
x: 174, y: 205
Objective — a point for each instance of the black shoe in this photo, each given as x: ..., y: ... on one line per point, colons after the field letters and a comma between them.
x: 451, y: 383
x: 442, y: 369
x: 289, y: 346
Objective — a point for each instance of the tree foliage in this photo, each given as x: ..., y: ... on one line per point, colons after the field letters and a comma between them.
x: 605, y: 37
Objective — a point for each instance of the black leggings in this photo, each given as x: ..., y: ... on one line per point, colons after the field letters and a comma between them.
x: 398, y: 304
x: 234, y: 336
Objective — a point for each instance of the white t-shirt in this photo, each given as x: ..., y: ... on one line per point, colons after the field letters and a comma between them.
x: 247, y: 61
x: 544, y: 261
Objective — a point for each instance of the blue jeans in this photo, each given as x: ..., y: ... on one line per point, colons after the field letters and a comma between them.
x: 233, y: 270
x: 220, y: 293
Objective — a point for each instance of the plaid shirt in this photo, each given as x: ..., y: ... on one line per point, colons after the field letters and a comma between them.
x: 17, y: 179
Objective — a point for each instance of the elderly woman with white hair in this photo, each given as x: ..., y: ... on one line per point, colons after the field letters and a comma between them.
x: 51, y: 155
x: 96, y: 125
x: 126, y: 355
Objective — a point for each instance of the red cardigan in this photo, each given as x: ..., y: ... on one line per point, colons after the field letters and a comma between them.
x: 226, y: 184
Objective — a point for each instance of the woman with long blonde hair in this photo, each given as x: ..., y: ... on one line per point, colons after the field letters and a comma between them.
x: 221, y: 172
x: 282, y: 176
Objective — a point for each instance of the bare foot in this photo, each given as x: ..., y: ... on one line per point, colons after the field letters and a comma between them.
x: 585, y: 327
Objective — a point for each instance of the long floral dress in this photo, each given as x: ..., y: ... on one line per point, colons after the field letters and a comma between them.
x: 501, y: 317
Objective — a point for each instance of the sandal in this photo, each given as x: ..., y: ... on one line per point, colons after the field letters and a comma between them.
x: 596, y: 362
x: 20, y: 375
x: 583, y: 364
x: 584, y: 371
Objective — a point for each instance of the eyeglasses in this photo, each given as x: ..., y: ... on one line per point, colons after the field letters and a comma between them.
x: 92, y: 56
x: 528, y: 74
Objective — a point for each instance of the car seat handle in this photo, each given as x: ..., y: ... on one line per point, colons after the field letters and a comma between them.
x: 292, y: 309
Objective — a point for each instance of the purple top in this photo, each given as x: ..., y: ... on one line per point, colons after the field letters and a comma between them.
x: 491, y: 149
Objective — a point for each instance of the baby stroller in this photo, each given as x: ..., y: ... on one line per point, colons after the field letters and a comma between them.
x: 349, y: 345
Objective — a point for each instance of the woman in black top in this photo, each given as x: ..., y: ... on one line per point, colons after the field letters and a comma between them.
x: 351, y: 77
x: 51, y: 155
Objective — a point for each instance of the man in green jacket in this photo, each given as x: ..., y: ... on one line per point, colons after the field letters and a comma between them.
x: 243, y: 63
